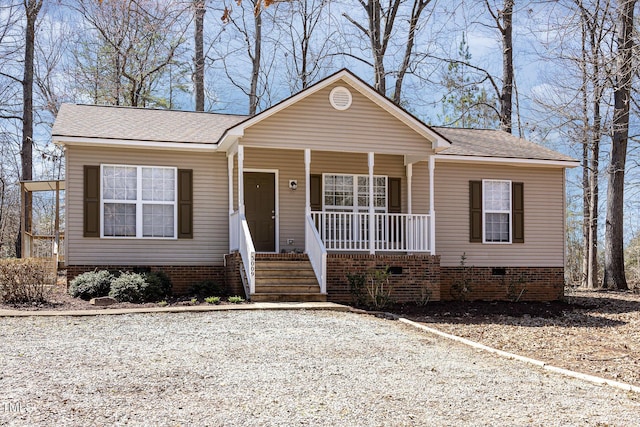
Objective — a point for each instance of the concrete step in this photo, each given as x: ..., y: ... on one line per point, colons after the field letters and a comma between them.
x: 288, y: 297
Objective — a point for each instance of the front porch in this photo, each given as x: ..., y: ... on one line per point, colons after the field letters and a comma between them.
x: 362, y: 214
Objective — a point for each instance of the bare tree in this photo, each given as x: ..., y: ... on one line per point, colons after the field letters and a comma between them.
x: 503, y: 19
x: 247, y: 24
x: 307, y: 48
x: 614, y: 274
x: 595, y: 32
x: 378, y: 28
x: 199, y: 7
x: 138, y: 41
x: 580, y: 53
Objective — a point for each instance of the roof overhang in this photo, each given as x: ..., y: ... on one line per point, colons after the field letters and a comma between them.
x: 438, y: 142
x: 508, y: 161
x: 120, y: 143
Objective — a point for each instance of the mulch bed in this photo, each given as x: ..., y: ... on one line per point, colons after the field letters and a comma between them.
x: 597, y: 333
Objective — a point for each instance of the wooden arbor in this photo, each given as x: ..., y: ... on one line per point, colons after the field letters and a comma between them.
x: 42, y: 242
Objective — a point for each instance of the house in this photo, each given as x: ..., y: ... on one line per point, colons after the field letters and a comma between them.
x: 333, y: 180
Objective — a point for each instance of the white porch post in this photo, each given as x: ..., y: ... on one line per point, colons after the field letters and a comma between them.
x: 432, y: 212
x: 409, y: 186
x: 307, y: 177
x: 232, y: 232
x: 409, y: 231
x: 372, y: 224
x: 241, y: 179
x: 230, y: 175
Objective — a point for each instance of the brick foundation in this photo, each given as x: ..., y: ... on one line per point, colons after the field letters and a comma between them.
x: 412, y: 275
x: 182, y: 276
x: 502, y: 283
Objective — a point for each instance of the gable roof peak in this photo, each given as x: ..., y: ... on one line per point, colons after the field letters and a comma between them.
x: 438, y: 141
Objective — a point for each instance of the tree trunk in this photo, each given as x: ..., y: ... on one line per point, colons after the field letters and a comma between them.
x: 255, y: 69
x: 198, y: 75
x: 418, y: 7
x: 32, y: 8
x: 375, y: 24
x: 506, y: 95
x: 614, y: 276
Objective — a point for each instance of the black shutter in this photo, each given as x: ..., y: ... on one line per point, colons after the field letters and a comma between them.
x: 91, y: 208
x: 395, y: 195
x: 315, y: 185
x: 475, y: 211
x: 185, y: 204
x: 517, y: 212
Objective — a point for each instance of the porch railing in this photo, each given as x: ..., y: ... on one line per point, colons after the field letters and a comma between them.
x: 240, y: 240
x: 316, y: 252
x: 349, y: 231
x: 43, y: 246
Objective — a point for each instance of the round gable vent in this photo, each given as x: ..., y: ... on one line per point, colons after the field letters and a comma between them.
x: 340, y: 98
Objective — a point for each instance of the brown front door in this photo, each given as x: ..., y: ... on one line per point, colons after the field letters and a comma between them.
x: 260, y: 209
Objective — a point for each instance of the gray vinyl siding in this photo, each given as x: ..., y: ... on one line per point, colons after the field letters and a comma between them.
x: 543, y: 216
x: 210, y: 218
x: 314, y: 123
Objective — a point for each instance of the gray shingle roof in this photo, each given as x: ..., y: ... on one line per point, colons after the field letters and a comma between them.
x: 140, y: 124
x: 495, y: 143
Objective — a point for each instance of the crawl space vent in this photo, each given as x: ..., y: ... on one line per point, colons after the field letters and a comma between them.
x: 340, y: 98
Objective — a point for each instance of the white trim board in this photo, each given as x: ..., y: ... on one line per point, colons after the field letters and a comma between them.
x: 507, y: 161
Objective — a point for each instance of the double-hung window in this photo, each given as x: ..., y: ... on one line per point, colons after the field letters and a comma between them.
x: 496, y: 208
x: 351, y: 193
x: 139, y: 201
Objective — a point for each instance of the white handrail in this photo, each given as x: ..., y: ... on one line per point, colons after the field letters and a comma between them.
x: 349, y: 231
x: 316, y: 252
x: 247, y: 253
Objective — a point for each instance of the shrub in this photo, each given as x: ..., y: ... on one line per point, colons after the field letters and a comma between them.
x: 461, y: 288
x: 212, y: 300
x: 158, y: 286
x: 236, y: 299
x: 379, y: 289
x: 371, y: 290
x: 26, y: 280
x: 129, y: 287
x: 357, y: 283
x: 206, y: 288
x: 91, y: 284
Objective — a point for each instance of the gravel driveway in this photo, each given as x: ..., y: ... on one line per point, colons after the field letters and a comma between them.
x: 283, y: 368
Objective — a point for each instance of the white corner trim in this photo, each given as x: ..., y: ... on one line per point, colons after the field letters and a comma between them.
x: 506, y: 160
x: 104, y: 142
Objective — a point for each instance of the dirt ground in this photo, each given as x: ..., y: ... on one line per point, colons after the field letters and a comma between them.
x: 596, y: 333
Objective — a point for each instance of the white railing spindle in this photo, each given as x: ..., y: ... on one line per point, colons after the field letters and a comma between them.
x: 349, y: 231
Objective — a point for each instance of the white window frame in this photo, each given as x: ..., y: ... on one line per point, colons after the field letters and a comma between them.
x: 486, y: 211
x: 356, y: 208
x: 139, y: 203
